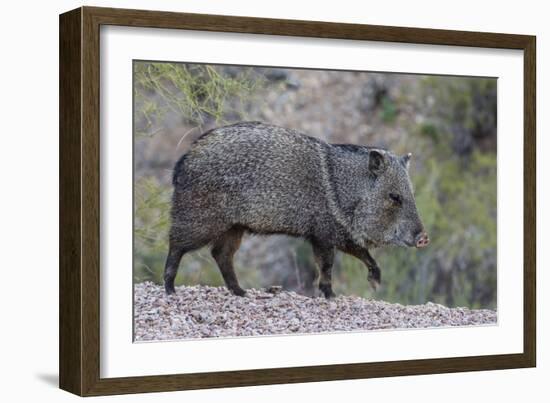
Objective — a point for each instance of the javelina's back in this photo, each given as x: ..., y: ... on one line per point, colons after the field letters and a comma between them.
x: 266, y: 178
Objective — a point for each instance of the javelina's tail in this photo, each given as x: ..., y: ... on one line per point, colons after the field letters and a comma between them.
x: 178, y: 169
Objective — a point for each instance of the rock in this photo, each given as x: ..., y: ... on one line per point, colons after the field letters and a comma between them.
x: 274, y: 289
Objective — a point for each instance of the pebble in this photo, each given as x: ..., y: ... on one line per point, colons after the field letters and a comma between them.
x: 205, y: 311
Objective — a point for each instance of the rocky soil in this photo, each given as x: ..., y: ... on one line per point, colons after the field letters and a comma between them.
x: 203, y: 311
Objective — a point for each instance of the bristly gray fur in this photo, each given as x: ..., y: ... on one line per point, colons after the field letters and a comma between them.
x: 266, y: 179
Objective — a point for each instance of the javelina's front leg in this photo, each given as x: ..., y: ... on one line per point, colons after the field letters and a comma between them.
x: 363, y: 254
x: 324, y: 257
x: 374, y: 277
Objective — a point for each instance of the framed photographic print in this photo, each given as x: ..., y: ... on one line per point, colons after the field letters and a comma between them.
x: 249, y: 201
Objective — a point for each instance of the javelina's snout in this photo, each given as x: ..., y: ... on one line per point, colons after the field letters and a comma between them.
x: 422, y: 239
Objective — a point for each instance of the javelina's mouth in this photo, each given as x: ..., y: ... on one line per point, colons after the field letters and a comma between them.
x: 401, y: 242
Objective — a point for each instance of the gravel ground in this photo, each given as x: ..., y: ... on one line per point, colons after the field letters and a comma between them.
x: 203, y: 311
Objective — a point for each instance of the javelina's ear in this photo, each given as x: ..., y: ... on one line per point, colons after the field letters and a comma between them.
x: 377, y: 162
x: 406, y: 160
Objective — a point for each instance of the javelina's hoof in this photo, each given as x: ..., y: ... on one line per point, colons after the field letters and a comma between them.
x: 330, y: 295
x: 169, y: 288
x: 374, y: 278
x: 326, y: 289
x: 238, y: 291
x: 375, y: 284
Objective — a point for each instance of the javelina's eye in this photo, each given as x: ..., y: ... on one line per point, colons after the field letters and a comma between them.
x: 396, y: 199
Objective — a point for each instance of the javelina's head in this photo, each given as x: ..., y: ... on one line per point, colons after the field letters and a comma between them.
x: 386, y: 213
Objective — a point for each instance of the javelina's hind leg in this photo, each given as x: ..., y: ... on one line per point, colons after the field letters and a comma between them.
x: 223, y: 250
x: 307, y: 279
x: 324, y: 256
x: 179, y: 246
x: 175, y: 253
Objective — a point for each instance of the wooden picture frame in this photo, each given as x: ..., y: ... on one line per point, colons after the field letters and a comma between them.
x: 79, y: 349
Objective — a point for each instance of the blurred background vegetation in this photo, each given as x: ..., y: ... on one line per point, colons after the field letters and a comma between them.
x: 448, y: 123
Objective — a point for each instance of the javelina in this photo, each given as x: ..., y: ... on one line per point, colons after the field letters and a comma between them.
x: 263, y: 179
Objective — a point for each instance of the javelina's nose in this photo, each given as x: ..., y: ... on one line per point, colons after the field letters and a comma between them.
x: 422, y: 240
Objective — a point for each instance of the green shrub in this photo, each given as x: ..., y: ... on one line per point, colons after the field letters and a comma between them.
x: 194, y: 92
